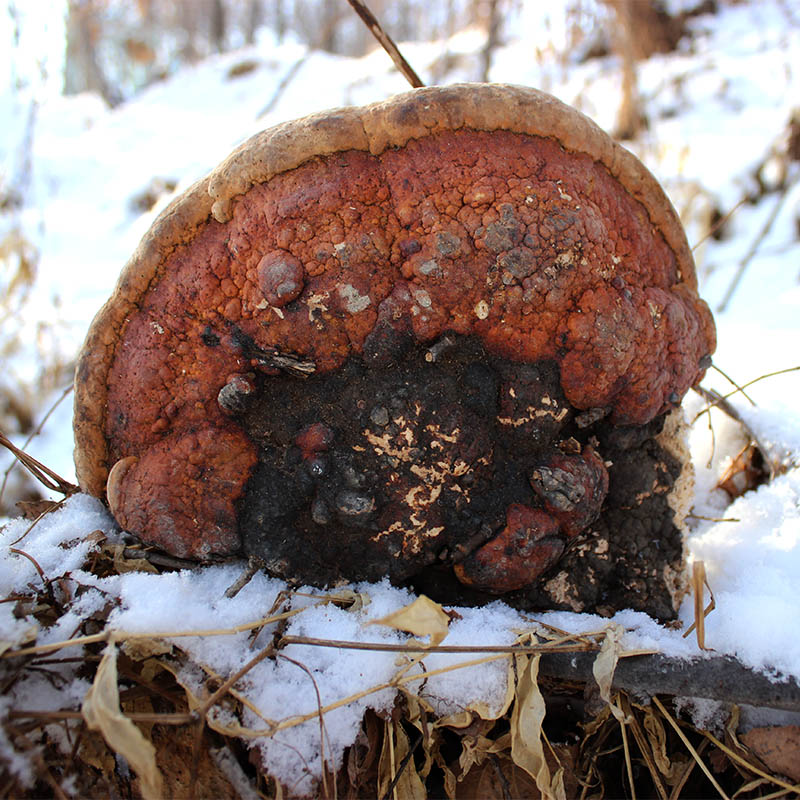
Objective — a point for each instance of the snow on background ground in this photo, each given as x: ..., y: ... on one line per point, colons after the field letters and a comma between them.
x: 716, y: 109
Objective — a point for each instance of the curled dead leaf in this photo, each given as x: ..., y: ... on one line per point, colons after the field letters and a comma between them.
x: 101, y: 711
x: 606, y: 663
x: 423, y: 617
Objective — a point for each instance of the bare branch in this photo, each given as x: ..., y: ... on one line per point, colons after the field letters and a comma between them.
x: 386, y: 42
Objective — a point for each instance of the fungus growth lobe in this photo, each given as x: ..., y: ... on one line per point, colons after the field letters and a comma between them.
x: 440, y: 338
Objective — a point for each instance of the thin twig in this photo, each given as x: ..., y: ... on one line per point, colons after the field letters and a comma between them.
x: 721, y: 398
x: 36, y: 431
x: 753, y: 249
x: 39, y: 518
x: 32, y: 560
x: 159, y: 559
x: 202, y: 710
x: 732, y: 382
x: 678, y: 788
x: 402, y: 765
x: 718, y: 224
x: 716, y: 400
x: 416, y: 647
x: 322, y: 732
x: 58, y: 716
x: 46, y: 476
x: 386, y: 42
x: 254, y: 564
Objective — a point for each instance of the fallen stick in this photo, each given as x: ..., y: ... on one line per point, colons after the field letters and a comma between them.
x: 721, y: 678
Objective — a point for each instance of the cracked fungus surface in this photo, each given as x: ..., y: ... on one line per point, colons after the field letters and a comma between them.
x: 374, y: 366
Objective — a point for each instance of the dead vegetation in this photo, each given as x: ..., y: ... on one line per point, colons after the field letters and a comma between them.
x: 147, y: 728
x: 144, y: 731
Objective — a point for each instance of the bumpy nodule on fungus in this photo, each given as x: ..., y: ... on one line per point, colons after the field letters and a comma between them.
x: 439, y: 338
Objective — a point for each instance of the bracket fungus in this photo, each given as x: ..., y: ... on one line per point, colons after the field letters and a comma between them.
x: 439, y: 338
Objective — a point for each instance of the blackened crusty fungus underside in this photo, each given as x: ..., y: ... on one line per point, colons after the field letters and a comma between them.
x: 407, y: 469
x: 446, y: 361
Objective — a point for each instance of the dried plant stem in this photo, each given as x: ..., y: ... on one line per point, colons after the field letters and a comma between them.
x: 58, y: 716
x: 716, y: 400
x: 418, y: 647
x: 46, y: 476
x: 34, y: 433
x: 299, y: 720
x: 644, y: 748
x: 695, y: 755
x: 32, y: 560
x: 38, y: 519
x: 212, y: 699
x: 721, y: 398
x: 386, y: 43
x: 678, y: 788
x: 122, y: 636
x: 322, y: 732
x: 628, y: 766
x: 733, y: 383
x: 718, y: 224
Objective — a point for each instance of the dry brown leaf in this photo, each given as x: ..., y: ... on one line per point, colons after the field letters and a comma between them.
x: 778, y: 746
x: 526, y: 728
x: 423, y: 617
x: 606, y: 663
x: 101, y: 711
x: 141, y: 649
x: 93, y: 751
x: 497, y: 778
x: 409, y: 785
x: 657, y: 737
x: 122, y: 564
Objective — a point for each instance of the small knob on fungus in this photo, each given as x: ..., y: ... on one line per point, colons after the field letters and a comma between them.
x: 313, y: 439
x: 572, y: 488
x: 280, y: 277
x: 234, y: 397
x: 527, y: 547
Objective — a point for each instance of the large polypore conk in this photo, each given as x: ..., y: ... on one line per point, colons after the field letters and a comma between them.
x: 435, y: 338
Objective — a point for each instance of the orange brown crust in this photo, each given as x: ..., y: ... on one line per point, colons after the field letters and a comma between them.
x: 493, y: 211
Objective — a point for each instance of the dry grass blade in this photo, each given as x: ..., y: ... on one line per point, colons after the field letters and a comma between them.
x: 699, y: 582
x: 695, y: 755
x: 643, y: 745
x: 628, y: 766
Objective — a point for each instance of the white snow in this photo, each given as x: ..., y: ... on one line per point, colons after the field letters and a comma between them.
x: 717, y: 111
